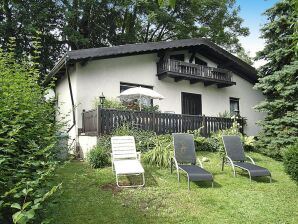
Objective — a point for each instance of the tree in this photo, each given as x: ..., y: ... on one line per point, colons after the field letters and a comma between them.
x: 27, y: 19
x: 78, y: 24
x: 103, y: 23
x: 28, y: 139
x: 278, y: 79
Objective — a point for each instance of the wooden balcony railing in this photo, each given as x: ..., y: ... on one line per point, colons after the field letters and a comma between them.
x: 196, y: 73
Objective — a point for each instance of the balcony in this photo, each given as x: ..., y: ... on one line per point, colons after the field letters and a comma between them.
x: 180, y: 70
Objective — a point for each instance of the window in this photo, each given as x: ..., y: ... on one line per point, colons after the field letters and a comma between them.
x: 125, y: 86
x: 178, y: 57
x: 234, y: 106
x: 200, y: 62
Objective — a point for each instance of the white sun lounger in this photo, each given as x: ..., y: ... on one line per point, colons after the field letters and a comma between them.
x: 125, y: 159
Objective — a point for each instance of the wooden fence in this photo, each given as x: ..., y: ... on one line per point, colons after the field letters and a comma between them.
x: 104, y: 121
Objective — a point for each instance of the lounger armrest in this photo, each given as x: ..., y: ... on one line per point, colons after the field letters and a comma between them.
x: 232, y: 164
x: 230, y: 160
x: 253, y: 162
x: 176, y: 164
x: 201, y: 164
x: 139, y: 156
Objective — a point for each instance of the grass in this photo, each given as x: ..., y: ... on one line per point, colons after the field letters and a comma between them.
x: 88, y: 196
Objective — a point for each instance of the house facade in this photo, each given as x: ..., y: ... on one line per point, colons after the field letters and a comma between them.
x: 195, y: 76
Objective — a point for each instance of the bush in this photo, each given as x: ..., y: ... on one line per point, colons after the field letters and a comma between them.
x: 28, y: 140
x: 98, y: 157
x: 217, y: 143
x: 162, y: 151
x: 150, y: 108
x: 290, y: 159
x: 143, y: 138
x: 202, y: 143
x: 109, y: 104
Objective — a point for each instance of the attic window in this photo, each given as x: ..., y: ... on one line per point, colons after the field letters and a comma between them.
x: 178, y: 57
x: 200, y: 62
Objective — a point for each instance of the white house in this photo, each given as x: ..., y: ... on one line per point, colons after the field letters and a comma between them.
x: 194, y: 75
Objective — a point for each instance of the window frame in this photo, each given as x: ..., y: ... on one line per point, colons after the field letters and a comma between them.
x: 237, y: 100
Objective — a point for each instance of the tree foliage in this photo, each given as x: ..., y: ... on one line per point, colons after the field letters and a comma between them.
x: 278, y: 79
x: 95, y: 23
x: 28, y: 141
x: 104, y: 23
x: 26, y: 19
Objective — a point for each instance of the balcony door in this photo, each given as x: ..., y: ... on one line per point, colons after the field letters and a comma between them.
x: 191, y: 103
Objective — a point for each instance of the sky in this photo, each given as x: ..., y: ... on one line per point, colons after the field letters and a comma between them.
x: 251, y: 11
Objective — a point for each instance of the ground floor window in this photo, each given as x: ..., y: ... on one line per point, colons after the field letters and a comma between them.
x: 125, y: 86
x: 234, y: 106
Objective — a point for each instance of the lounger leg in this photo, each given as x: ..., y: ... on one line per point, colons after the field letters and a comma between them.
x: 249, y: 176
x: 143, y: 180
x: 212, y: 184
x: 117, y: 180
x: 270, y: 178
x: 171, y: 165
x: 188, y: 183
x: 223, y: 164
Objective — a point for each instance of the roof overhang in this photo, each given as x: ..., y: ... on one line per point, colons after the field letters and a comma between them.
x: 203, y: 46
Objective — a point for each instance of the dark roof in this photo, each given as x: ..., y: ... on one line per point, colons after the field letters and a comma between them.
x: 203, y: 46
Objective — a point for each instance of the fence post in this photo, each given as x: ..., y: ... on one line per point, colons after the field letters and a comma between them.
x: 242, y: 125
x: 153, y: 121
x: 83, y: 121
x: 98, y: 120
x: 204, y: 126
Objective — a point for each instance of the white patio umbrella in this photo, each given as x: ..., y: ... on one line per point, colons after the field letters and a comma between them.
x: 139, y: 93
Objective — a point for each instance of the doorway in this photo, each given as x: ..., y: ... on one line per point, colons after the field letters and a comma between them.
x: 191, y: 103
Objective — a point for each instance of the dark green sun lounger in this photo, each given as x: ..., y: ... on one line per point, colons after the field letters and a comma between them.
x: 185, y: 159
x: 236, y: 158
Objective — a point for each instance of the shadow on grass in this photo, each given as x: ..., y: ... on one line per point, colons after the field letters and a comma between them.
x: 208, y: 184
x: 150, y: 181
x: 264, y: 179
x: 200, y: 184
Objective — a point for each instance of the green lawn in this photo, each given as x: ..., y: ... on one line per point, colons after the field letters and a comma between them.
x: 87, y: 197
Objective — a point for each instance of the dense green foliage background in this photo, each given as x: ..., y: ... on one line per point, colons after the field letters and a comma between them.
x: 81, y: 24
x: 158, y: 149
x: 278, y: 79
x: 290, y: 156
x: 28, y: 140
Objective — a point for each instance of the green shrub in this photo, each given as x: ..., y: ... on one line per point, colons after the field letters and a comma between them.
x: 98, y: 157
x: 217, y: 143
x: 290, y: 159
x: 162, y: 151
x: 150, y: 108
x: 109, y: 104
x: 142, y: 137
x: 28, y: 140
x: 202, y: 143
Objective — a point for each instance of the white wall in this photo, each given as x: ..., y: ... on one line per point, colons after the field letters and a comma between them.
x: 105, y: 76
x: 86, y: 143
x: 65, y: 113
